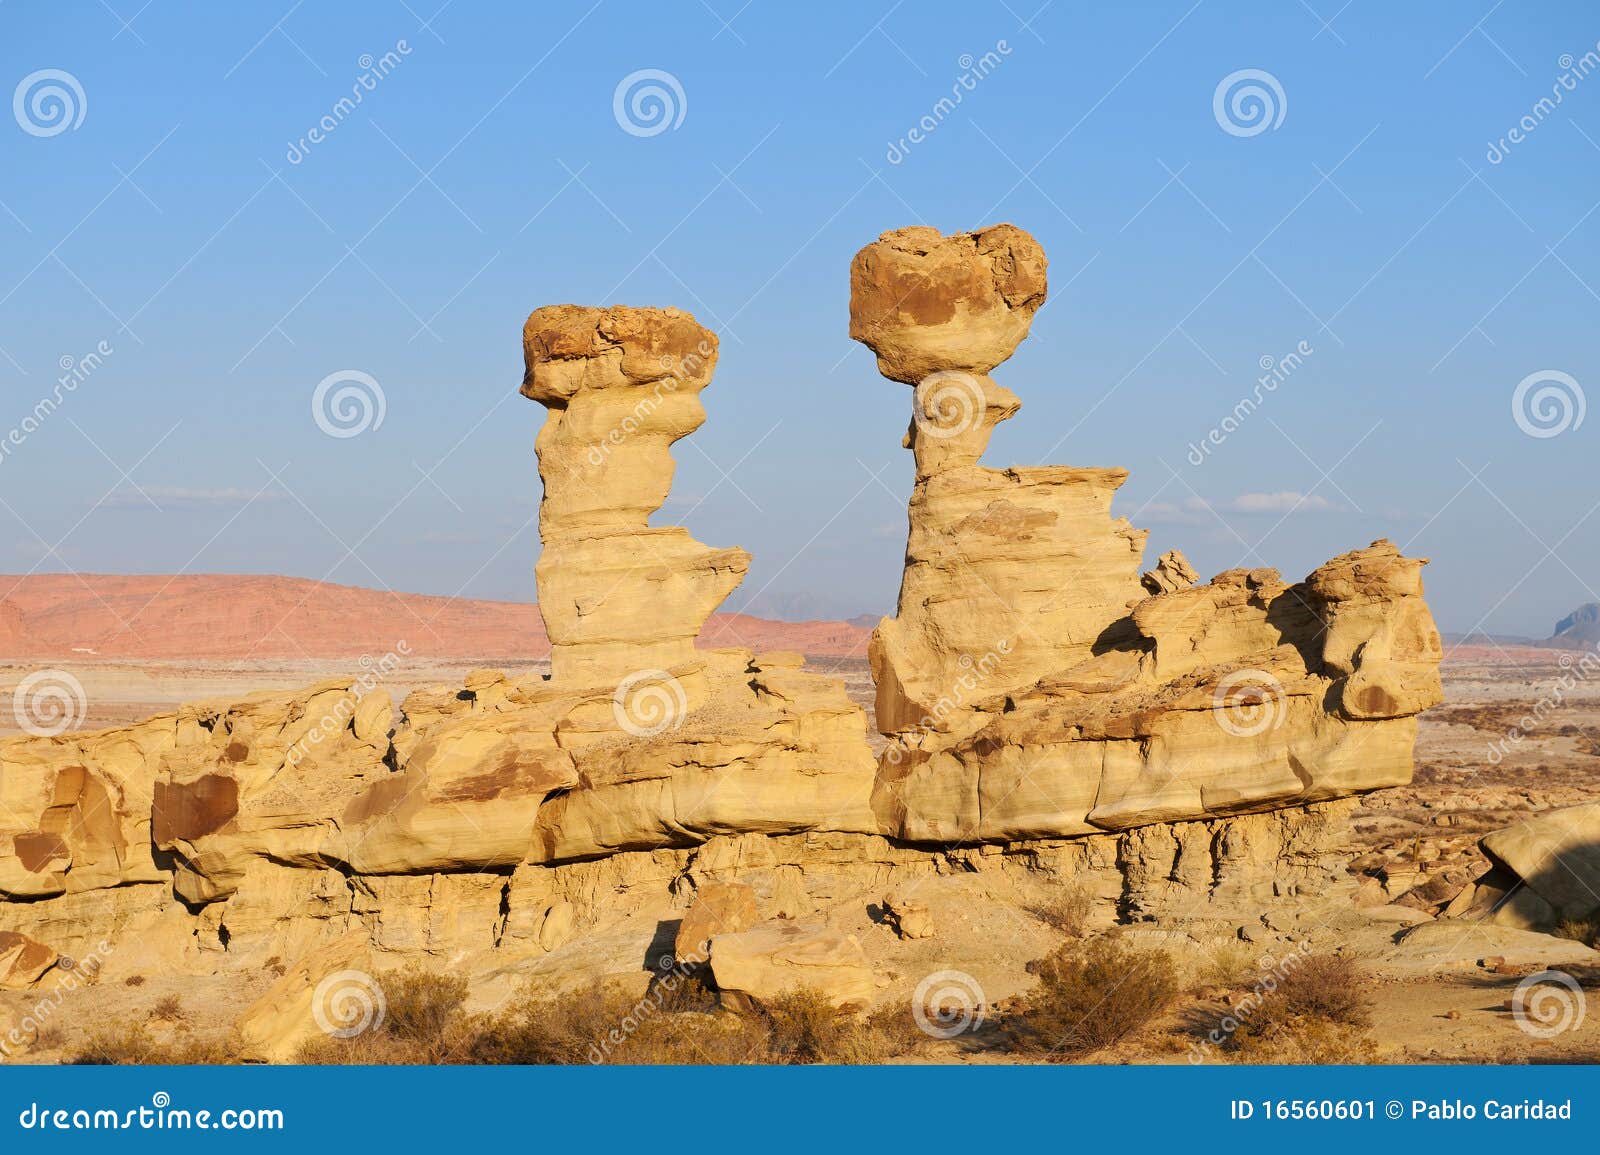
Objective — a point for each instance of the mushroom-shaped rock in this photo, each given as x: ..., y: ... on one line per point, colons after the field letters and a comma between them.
x: 925, y: 302
x: 619, y: 596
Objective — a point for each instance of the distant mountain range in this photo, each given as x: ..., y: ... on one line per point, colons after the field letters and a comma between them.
x: 1579, y: 630
x: 217, y: 617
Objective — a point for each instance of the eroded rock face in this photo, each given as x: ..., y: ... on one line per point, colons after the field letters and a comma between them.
x: 1034, y: 684
x: 1545, y: 870
x: 1055, y: 718
x: 617, y: 595
x: 781, y: 957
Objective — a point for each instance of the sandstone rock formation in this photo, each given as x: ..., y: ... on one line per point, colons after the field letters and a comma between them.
x: 617, y: 594
x: 1544, y: 871
x: 780, y: 957
x: 719, y: 908
x: 1034, y: 685
x: 1054, y: 718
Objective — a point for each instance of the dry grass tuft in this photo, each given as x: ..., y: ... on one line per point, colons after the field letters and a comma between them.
x: 1067, y: 910
x: 1091, y: 995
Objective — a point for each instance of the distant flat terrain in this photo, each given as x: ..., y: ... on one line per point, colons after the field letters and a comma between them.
x: 239, y: 619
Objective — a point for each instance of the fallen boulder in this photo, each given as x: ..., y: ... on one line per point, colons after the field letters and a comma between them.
x: 781, y: 957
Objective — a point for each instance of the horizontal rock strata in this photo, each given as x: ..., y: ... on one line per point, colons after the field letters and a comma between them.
x: 1055, y: 718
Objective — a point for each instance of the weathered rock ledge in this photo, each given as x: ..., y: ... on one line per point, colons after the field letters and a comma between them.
x: 1055, y: 718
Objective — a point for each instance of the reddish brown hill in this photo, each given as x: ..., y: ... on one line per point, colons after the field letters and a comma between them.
x: 220, y: 617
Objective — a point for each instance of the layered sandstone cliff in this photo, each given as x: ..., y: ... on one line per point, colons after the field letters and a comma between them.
x: 1051, y: 713
x: 1034, y: 684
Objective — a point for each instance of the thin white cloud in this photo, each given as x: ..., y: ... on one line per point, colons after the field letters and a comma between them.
x: 1284, y: 501
x: 182, y: 497
x: 1198, y: 511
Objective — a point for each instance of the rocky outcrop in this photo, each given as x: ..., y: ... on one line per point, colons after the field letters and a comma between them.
x: 619, y: 596
x: 1033, y: 683
x: 781, y: 957
x: 1543, y: 872
x: 1054, y: 718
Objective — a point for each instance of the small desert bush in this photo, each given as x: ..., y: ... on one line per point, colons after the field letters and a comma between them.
x: 133, y: 981
x: 1067, y: 910
x: 423, y: 1005
x: 1317, y: 1014
x: 803, y: 1027
x: 1584, y: 930
x: 1323, y: 986
x: 1091, y: 995
x: 669, y: 1024
x: 1308, y: 1041
x: 135, y: 1046
x: 423, y: 1023
x: 609, y: 1026
x: 1226, y: 964
x: 168, y: 1008
x: 50, y: 1038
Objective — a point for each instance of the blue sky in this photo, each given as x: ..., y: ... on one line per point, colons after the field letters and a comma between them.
x: 486, y: 174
